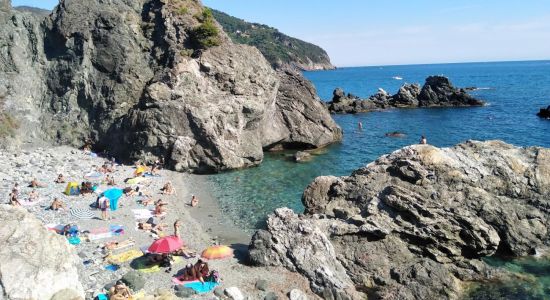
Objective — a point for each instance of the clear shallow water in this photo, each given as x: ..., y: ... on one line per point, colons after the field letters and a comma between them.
x: 515, y: 92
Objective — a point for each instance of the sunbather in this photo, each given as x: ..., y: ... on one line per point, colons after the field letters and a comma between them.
x: 57, y: 204
x: 36, y: 184
x: 13, y: 200
x: 177, y: 226
x: 33, y: 196
x: 189, y: 273
x: 60, y: 179
x: 160, y: 209
x: 168, y: 189
x: 147, y: 201
x: 201, y: 270
x: 110, y: 180
x: 119, y: 291
x: 86, y: 188
x: 185, y: 252
x: 118, y: 245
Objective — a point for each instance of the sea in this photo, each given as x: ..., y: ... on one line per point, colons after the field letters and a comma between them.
x: 514, y: 92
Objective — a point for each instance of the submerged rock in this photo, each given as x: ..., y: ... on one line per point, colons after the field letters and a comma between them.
x: 414, y: 224
x: 45, y: 260
x: 544, y: 113
x: 302, y: 156
x: 438, y: 91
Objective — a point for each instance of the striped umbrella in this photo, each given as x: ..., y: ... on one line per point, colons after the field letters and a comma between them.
x: 82, y: 213
x: 217, y: 252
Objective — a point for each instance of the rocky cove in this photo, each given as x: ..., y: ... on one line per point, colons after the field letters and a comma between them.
x: 133, y: 81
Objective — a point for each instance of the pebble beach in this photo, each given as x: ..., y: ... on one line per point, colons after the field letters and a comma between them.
x: 202, y: 226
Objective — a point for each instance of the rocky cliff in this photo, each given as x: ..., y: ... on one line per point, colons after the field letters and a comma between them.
x: 45, y: 260
x: 147, y: 79
x: 414, y: 224
x: 438, y: 91
x: 280, y: 50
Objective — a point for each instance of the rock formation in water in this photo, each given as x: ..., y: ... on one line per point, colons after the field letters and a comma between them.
x: 145, y: 79
x: 438, y: 91
x: 544, y: 113
x: 414, y: 224
x: 45, y: 260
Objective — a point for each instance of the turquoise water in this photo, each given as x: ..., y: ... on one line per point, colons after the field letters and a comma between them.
x: 514, y: 90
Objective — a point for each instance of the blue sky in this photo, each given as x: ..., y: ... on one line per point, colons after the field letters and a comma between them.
x: 374, y: 32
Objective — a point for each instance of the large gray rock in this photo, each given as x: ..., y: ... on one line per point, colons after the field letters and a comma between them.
x: 5, y: 5
x: 35, y: 263
x: 125, y: 74
x: 414, y: 224
x: 438, y: 91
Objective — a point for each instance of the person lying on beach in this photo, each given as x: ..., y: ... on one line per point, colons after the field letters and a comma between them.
x: 185, y: 252
x: 119, y: 291
x: 160, y: 209
x: 109, y: 246
x: 168, y: 189
x: 57, y: 204
x: 147, y: 201
x: 201, y: 270
x: 194, y: 201
x: 33, y: 196
x: 128, y: 191
x: 13, y: 200
x: 60, y: 179
x: 152, y: 226
x: 36, y: 184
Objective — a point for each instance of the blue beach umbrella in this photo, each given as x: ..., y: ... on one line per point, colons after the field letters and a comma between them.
x: 113, y: 195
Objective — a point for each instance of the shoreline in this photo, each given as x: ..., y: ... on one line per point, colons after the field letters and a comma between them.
x: 202, y: 226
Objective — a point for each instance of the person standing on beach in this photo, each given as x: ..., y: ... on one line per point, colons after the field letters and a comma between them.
x: 194, y: 201
x: 104, y: 205
x: 177, y: 226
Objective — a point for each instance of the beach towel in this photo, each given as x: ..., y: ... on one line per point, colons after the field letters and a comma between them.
x: 179, y: 280
x: 94, y: 176
x: 142, y: 213
x: 117, y: 230
x: 29, y: 203
x: 124, y: 256
x: 99, y: 236
x: 200, y: 287
x: 136, y: 180
x: 140, y: 264
x: 112, y: 268
x: 99, y: 230
x: 74, y: 240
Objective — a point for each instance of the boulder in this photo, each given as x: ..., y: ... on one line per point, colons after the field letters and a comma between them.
x: 407, y: 96
x: 43, y: 260
x: 234, y: 293
x: 544, y: 113
x: 337, y: 95
x: 185, y: 292
x: 134, y: 280
x: 302, y: 156
x: 86, y: 72
x: 296, y: 294
x: 262, y: 285
x: 5, y: 5
x: 416, y: 223
x: 439, y: 91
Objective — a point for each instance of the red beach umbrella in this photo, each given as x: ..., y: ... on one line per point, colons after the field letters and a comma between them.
x: 166, y: 245
x: 217, y: 252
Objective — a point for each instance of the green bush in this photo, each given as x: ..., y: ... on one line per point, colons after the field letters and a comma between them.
x: 183, y: 10
x: 206, y: 35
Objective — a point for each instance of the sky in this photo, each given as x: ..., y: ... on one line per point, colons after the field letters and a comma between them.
x: 382, y: 32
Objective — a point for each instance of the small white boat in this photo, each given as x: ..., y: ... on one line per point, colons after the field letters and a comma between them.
x: 397, y: 78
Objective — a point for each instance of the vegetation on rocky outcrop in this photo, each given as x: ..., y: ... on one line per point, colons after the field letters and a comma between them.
x: 279, y: 49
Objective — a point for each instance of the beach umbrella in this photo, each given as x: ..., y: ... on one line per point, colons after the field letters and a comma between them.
x: 217, y: 252
x: 82, y: 213
x: 113, y: 194
x: 166, y: 245
x: 94, y: 176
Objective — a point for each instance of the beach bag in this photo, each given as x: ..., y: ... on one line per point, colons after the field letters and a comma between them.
x: 214, y: 276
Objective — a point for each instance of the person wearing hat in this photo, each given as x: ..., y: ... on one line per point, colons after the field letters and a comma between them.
x: 119, y: 291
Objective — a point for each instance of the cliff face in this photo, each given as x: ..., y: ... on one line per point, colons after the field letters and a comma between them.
x: 414, y: 224
x: 131, y: 77
x: 280, y: 50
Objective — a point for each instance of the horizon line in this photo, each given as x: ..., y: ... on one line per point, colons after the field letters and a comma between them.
x: 441, y: 63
